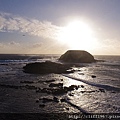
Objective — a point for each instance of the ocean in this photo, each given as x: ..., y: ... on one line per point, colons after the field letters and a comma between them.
x: 99, y: 91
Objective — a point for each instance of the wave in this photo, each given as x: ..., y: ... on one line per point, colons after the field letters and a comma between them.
x: 107, y: 87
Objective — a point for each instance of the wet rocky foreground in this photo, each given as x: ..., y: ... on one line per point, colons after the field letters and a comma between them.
x: 50, y: 93
x: 41, y: 94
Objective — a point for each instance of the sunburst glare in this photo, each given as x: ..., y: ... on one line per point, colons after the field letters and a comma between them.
x: 77, y: 35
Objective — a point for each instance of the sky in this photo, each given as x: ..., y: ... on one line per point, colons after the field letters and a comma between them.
x: 55, y: 26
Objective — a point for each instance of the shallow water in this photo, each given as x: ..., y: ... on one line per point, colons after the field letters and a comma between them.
x: 97, y: 95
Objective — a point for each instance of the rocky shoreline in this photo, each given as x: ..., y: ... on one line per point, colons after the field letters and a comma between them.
x: 69, y: 59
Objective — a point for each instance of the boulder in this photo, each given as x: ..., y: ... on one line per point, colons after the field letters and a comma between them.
x: 77, y: 56
x: 46, y: 67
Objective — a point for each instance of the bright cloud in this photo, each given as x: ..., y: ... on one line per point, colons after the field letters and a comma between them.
x: 10, y: 23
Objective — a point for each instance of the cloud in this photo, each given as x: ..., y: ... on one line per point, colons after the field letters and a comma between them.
x: 10, y: 44
x: 44, y: 29
x: 37, y: 45
x: 13, y: 43
x: 1, y: 45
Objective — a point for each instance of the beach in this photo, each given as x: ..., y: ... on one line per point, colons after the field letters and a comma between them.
x: 92, y: 88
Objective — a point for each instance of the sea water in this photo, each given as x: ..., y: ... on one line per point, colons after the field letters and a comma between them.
x: 107, y: 77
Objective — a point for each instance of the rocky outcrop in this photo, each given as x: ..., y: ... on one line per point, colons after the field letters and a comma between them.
x: 46, y: 67
x: 71, y: 57
x: 77, y: 56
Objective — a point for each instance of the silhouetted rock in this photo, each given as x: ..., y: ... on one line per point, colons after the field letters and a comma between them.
x: 71, y: 94
x: 67, y: 108
x: 42, y: 105
x: 62, y: 100
x: 82, y: 86
x: 46, y: 67
x: 77, y: 56
x: 55, y: 99
x: 31, y: 87
x: 101, y: 90
x: 56, y: 85
x: 37, y: 100
x: 93, y: 76
x: 47, y: 81
x: 29, y: 82
x: 44, y: 100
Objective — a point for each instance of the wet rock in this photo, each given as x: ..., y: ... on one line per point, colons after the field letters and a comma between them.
x: 38, y: 90
x: 71, y: 94
x: 93, y: 76
x: 88, y: 91
x: 44, y: 100
x: 47, y: 81
x: 101, y: 90
x: 10, y: 86
x: 29, y: 82
x: 46, y: 67
x: 82, y: 91
x: 59, y: 91
x: 37, y: 100
x: 113, y: 92
x: 77, y: 56
x: 73, y: 87
x: 30, y: 87
x: 82, y: 86
x: 67, y: 108
x: 62, y: 100
x: 64, y: 90
x: 81, y: 73
x: 56, y: 85
x: 46, y: 90
x: 42, y: 105
x: 55, y: 99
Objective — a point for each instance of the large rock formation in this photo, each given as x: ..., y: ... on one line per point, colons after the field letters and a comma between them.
x: 46, y: 67
x: 71, y: 56
x: 77, y: 56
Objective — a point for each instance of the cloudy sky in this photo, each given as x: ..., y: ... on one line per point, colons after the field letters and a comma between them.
x: 54, y: 26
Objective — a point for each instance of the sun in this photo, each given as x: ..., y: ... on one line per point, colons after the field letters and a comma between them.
x: 77, y: 35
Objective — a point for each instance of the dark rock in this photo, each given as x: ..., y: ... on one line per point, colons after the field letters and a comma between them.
x: 82, y: 91
x: 67, y: 108
x: 56, y: 85
x: 81, y: 73
x: 82, y: 86
x: 55, y: 99
x: 59, y: 91
x: 38, y: 90
x: 37, y: 100
x: 29, y: 82
x: 71, y: 94
x: 113, y: 92
x: 42, y: 105
x: 88, y: 91
x: 73, y: 87
x: 30, y: 87
x: 10, y: 86
x: 46, y: 90
x: 44, y: 100
x: 47, y: 81
x: 93, y: 76
x: 46, y: 67
x: 101, y: 90
x: 62, y: 100
x: 77, y: 56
